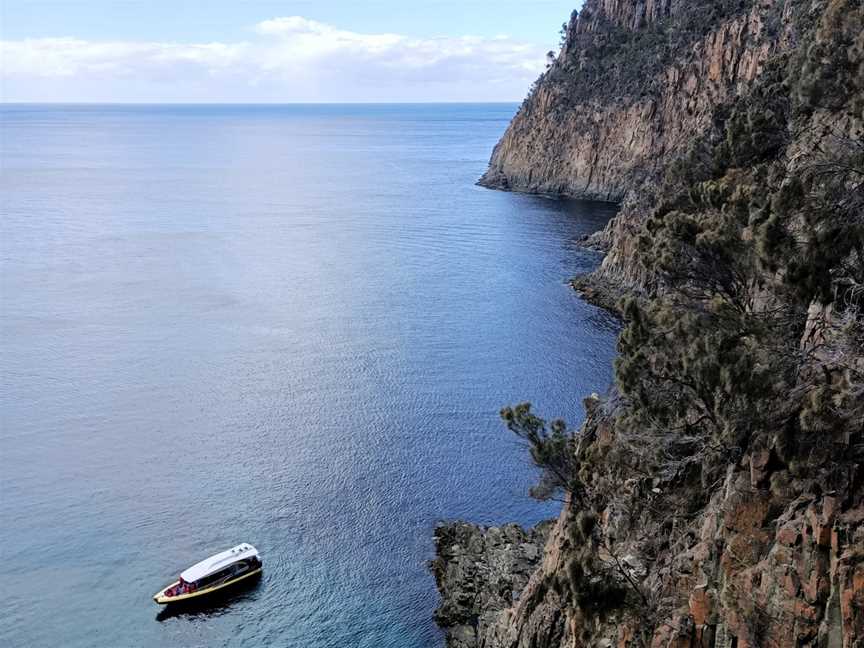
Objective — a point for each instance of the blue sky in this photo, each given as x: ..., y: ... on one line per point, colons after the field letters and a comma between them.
x: 274, y: 50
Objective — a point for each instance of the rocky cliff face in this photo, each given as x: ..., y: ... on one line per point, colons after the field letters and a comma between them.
x: 775, y: 557
x: 622, y: 97
x: 632, y: 87
x: 482, y: 573
x: 716, y: 496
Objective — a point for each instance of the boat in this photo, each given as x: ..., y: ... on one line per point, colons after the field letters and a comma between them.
x: 214, y: 574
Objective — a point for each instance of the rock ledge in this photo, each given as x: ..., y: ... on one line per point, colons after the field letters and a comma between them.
x: 480, y: 572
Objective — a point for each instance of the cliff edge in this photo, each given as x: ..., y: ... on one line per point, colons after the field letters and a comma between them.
x: 715, y: 496
x: 633, y: 83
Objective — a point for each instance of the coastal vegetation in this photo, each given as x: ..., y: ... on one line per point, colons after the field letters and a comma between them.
x: 608, y: 58
x: 715, y: 495
x: 720, y: 358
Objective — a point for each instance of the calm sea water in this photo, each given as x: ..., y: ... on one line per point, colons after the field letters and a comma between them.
x: 290, y: 326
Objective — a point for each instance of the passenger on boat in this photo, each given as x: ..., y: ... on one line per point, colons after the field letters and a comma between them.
x: 180, y: 588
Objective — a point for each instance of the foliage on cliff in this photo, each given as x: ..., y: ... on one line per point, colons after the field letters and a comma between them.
x: 606, y: 60
x: 725, y: 468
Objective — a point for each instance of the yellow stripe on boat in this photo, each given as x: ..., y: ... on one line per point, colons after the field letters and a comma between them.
x: 160, y: 597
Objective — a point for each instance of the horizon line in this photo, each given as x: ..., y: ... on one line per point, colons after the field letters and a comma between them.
x: 255, y: 103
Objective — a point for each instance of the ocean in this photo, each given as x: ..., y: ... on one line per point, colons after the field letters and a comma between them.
x: 292, y: 326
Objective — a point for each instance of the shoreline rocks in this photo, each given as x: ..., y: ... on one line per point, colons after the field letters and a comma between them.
x: 600, y: 293
x: 481, y: 573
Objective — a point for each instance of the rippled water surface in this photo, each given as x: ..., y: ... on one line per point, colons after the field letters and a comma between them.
x: 291, y: 326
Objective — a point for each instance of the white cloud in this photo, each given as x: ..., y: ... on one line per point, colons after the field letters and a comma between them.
x: 288, y: 59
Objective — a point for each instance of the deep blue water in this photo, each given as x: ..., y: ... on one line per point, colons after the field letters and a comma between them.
x: 291, y: 326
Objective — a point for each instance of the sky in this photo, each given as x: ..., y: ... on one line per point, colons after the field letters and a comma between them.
x: 282, y: 51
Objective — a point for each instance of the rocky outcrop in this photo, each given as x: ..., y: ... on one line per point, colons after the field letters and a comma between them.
x: 716, y: 495
x: 481, y: 573
x: 597, y: 128
x: 634, y: 85
x: 774, y: 558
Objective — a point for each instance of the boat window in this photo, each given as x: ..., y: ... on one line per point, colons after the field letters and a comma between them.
x: 215, y: 577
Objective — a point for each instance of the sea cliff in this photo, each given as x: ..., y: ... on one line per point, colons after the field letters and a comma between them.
x: 622, y: 97
x: 715, y: 496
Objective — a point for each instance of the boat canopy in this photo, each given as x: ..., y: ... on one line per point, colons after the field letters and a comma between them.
x: 221, y: 560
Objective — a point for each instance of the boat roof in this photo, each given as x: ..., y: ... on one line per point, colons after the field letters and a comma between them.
x: 219, y: 561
